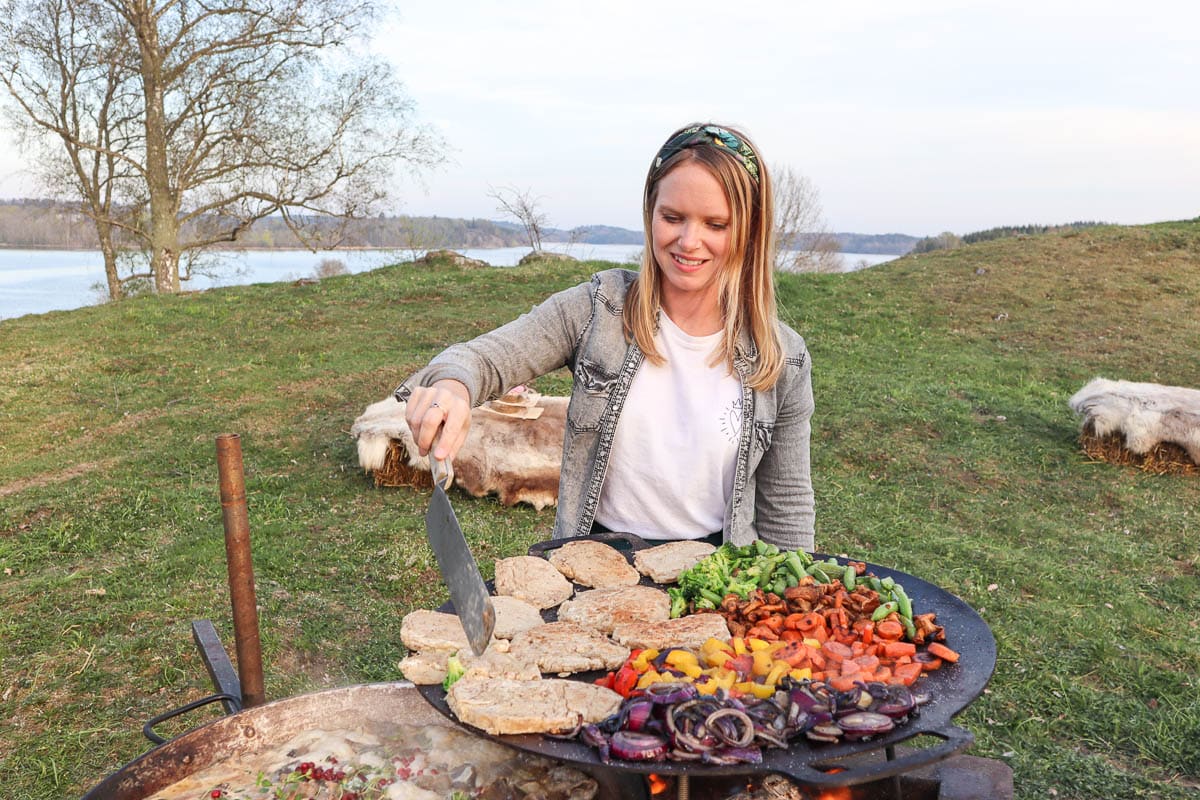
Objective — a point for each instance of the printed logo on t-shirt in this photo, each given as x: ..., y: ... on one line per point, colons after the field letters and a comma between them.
x: 731, y: 420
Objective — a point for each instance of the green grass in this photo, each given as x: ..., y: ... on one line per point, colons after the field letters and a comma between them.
x: 943, y: 446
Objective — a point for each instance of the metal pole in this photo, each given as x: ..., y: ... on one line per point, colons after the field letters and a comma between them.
x: 897, y: 787
x: 241, y: 569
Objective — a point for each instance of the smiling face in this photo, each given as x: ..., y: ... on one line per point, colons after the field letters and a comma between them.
x: 690, y: 231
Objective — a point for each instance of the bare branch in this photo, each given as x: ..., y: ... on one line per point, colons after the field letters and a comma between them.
x: 802, y: 242
x: 524, y: 208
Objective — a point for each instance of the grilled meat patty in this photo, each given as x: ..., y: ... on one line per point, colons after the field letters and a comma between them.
x: 594, y: 564
x: 532, y: 579
x: 564, y: 647
x: 601, y: 609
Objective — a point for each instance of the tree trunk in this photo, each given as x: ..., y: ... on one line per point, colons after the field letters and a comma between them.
x: 111, y: 275
x: 164, y: 204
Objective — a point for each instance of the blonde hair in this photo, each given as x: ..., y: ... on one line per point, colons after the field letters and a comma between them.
x: 747, y: 280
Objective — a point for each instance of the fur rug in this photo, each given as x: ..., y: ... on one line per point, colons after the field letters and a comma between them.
x: 1152, y: 422
x: 513, y: 450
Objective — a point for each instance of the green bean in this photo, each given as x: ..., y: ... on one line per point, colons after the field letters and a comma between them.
x: 849, y: 577
x: 818, y: 574
x: 883, y: 611
x: 764, y: 578
x: 793, y: 562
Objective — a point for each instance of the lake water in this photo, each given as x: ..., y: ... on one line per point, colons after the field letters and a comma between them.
x: 37, y: 281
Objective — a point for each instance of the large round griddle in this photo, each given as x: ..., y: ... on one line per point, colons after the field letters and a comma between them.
x: 952, y: 689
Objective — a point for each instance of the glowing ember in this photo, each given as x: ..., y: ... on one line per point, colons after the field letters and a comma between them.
x: 658, y: 785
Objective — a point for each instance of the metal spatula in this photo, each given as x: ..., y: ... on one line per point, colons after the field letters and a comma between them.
x: 459, y: 570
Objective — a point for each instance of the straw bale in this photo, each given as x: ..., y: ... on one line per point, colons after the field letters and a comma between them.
x: 1164, y: 458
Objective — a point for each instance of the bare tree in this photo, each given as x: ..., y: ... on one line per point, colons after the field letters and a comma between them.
x: 525, y: 209
x: 802, y: 241
x: 418, y: 236
x: 71, y: 109
x: 210, y: 116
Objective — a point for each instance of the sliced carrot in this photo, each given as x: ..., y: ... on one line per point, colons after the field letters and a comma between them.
x: 843, y: 683
x: 907, y: 673
x: 795, y: 654
x: 866, y: 630
x: 941, y: 651
x: 897, y: 649
x: 889, y: 629
x: 791, y: 636
x: 774, y: 622
x: 868, y: 663
x: 809, y: 622
x: 762, y: 632
x: 883, y: 674
x: 930, y: 665
x: 836, y: 651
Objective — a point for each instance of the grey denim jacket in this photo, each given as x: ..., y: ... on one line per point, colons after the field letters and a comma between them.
x: 581, y: 328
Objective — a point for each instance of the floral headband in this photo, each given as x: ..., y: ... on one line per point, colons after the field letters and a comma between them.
x: 710, y: 134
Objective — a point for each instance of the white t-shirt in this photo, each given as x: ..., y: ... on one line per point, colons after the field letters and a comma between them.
x: 670, y: 474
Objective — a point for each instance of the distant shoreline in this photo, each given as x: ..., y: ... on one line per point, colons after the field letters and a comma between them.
x: 363, y: 249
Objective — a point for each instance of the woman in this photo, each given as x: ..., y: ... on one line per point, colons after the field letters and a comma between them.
x: 689, y: 415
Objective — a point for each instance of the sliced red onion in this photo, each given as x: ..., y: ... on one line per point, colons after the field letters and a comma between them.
x: 679, y: 729
x: 683, y: 755
x: 761, y: 736
x: 730, y: 735
x: 733, y: 755
x: 594, y: 737
x: 899, y: 702
x: 636, y: 714
x: 850, y: 698
x: 670, y: 693
x: 862, y: 724
x: 877, y: 689
x: 807, y: 701
x: 633, y: 746
x: 826, y: 732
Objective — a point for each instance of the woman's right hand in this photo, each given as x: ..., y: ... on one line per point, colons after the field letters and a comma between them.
x: 439, y: 417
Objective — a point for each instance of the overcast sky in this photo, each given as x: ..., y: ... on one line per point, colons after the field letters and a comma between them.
x: 913, y: 117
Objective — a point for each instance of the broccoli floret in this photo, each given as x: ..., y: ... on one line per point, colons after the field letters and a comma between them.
x: 454, y: 671
x: 679, y: 603
x: 742, y: 586
x: 709, y: 576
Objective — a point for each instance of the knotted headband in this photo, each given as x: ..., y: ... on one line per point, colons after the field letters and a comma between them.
x: 710, y: 134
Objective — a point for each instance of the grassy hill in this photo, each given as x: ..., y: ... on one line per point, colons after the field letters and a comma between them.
x: 943, y: 446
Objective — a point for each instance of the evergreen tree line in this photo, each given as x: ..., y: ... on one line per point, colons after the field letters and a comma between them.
x: 948, y: 241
